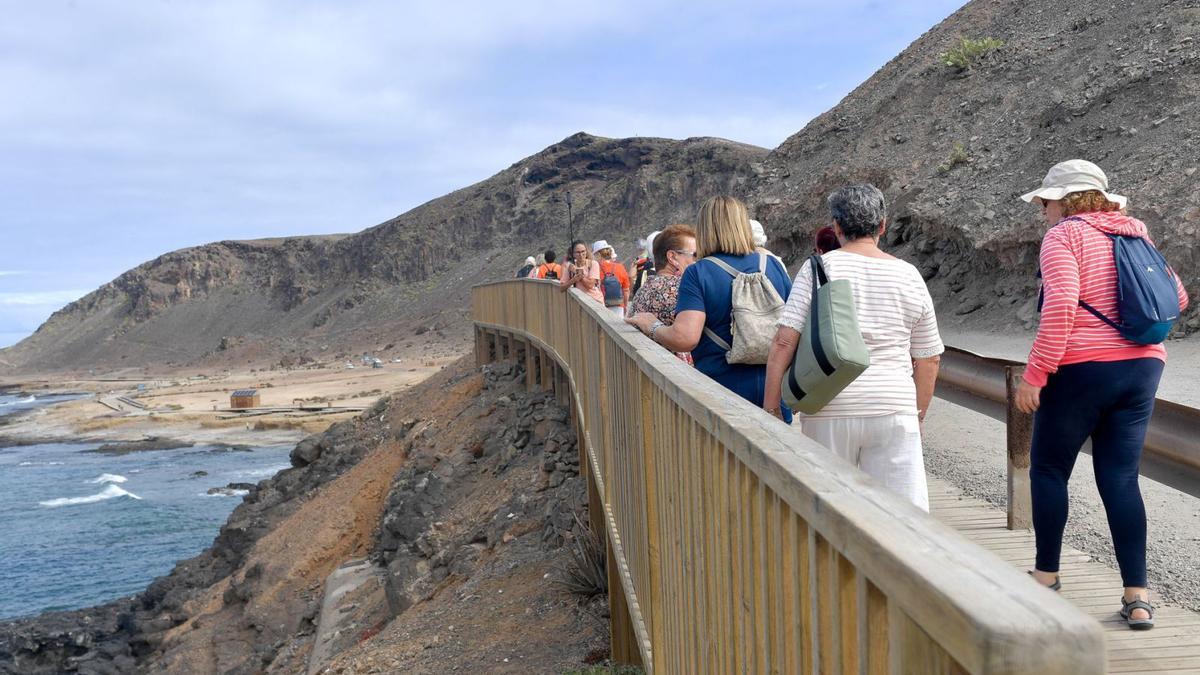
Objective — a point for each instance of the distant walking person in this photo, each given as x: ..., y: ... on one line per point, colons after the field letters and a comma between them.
x: 760, y: 240
x: 582, y: 272
x: 674, y: 249
x: 528, y: 267
x: 1085, y: 378
x: 549, y: 269
x: 825, y: 241
x: 875, y: 422
x: 705, y: 308
x: 643, y: 268
x: 614, y: 280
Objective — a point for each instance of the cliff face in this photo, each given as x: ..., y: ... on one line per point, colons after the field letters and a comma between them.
x: 296, y: 294
x: 953, y: 149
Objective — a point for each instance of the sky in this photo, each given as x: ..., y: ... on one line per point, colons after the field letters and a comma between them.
x: 130, y: 129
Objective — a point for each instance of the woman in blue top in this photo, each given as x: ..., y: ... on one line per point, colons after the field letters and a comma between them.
x: 706, y: 299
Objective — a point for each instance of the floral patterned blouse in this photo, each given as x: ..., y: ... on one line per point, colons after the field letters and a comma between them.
x: 658, y: 295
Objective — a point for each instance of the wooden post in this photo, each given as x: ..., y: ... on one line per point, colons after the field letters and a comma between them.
x: 1020, y: 437
x: 530, y: 374
x: 623, y: 639
x: 481, y: 347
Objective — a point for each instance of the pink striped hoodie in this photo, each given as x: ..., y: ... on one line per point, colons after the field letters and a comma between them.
x: 1077, y: 264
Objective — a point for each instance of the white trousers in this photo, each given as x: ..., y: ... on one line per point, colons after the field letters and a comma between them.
x: 618, y: 310
x: 887, y: 448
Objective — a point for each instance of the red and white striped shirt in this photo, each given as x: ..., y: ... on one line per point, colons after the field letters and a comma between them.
x: 1077, y: 264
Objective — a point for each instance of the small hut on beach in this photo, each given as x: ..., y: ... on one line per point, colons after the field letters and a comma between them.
x: 244, y: 398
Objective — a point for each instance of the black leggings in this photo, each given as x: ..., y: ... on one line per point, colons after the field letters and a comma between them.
x: 1111, y: 402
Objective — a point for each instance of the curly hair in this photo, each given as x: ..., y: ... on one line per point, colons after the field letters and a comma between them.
x: 1087, y: 201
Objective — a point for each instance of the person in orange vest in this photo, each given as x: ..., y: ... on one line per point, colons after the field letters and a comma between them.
x: 549, y: 269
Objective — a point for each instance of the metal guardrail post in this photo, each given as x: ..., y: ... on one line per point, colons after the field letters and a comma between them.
x: 1020, y: 438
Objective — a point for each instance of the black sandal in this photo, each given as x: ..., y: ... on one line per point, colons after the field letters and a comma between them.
x: 1127, y: 607
x: 1056, y: 586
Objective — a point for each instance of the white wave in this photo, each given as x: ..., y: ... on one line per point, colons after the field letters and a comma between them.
x: 31, y: 399
x: 263, y: 473
x: 110, y: 492
x: 41, y: 463
x: 109, y: 478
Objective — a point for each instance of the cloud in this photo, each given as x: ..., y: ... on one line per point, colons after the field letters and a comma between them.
x: 12, y: 273
x: 40, y: 298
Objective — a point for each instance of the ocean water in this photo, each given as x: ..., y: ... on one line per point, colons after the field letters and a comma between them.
x: 83, y: 528
x: 10, y: 404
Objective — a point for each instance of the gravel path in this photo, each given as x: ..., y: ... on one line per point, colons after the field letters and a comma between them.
x: 968, y: 449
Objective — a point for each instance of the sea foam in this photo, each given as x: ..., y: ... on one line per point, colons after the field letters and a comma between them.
x: 110, y: 492
x: 108, y: 478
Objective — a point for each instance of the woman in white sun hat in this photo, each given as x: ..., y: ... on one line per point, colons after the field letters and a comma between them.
x: 1086, y: 379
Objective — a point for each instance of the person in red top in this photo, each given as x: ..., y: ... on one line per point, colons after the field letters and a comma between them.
x: 609, y: 266
x: 1084, y: 379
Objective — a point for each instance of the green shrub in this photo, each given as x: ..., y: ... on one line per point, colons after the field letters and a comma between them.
x: 586, y: 574
x: 967, y: 52
x: 958, y: 156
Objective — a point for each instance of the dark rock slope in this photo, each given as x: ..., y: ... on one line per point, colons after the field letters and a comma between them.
x: 953, y: 149
x: 257, y: 300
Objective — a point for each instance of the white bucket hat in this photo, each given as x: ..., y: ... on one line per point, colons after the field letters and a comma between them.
x: 759, y: 234
x: 1074, y: 175
x: 599, y: 245
x: 647, y: 244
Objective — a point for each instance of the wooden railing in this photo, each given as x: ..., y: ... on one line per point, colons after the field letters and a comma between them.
x: 738, y: 545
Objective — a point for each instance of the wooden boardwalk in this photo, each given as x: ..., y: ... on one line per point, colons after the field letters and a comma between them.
x: 1173, y: 646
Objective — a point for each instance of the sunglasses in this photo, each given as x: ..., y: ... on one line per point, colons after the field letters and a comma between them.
x: 690, y: 254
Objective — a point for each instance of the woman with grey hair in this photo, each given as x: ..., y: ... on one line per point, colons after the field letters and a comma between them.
x: 875, y: 422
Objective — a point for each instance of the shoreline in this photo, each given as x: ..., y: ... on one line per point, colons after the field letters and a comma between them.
x: 188, y: 409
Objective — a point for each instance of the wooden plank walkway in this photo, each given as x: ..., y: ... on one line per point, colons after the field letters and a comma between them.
x: 1173, y: 646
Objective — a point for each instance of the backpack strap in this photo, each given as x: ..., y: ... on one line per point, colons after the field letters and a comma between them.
x: 724, y: 265
x: 712, y: 335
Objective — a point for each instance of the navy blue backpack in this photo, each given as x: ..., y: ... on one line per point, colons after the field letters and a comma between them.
x: 1146, y: 296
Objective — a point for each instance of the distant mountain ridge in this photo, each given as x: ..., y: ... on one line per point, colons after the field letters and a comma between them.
x: 952, y: 149
x: 258, y: 301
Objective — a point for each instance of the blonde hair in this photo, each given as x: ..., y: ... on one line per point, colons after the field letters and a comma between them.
x: 1087, y: 201
x: 723, y: 226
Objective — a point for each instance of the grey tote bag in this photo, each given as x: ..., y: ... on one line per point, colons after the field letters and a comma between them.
x: 831, y: 353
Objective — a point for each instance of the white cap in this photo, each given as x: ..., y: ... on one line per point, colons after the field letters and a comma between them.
x: 760, y: 235
x: 599, y: 245
x: 1074, y: 175
x: 530, y: 261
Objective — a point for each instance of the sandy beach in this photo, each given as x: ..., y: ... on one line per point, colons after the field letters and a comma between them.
x: 190, y: 407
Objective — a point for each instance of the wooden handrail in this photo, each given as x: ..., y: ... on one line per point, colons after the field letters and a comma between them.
x: 736, y: 544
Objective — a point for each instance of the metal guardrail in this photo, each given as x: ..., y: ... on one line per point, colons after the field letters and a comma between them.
x: 1170, y: 456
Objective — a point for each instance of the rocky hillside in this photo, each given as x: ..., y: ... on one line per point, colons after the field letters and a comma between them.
x: 953, y: 147
x: 263, y: 300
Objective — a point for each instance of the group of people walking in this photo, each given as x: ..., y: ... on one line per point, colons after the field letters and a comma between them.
x: 1090, y: 373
